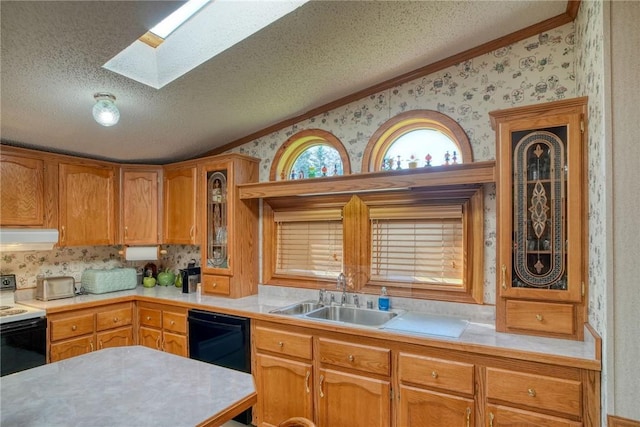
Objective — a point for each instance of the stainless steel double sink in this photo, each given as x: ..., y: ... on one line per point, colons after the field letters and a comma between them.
x: 336, y: 313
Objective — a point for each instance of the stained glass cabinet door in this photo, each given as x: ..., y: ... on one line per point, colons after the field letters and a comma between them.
x: 541, y: 227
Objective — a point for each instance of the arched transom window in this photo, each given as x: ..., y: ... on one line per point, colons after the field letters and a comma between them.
x: 419, y: 138
x: 310, y: 153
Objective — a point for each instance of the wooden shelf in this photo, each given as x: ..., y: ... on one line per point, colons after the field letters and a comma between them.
x: 436, y: 176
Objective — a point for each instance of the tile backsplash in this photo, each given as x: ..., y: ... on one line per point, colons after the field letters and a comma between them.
x: 72, y: 261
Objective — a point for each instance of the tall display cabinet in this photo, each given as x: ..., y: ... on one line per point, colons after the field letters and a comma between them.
x: 229, y: 238
x: 541, y: 220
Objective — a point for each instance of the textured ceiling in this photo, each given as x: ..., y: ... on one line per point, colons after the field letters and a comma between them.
x: 52, y: 54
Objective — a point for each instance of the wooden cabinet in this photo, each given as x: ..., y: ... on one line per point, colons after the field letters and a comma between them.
x: 87, y: 204
x: 434, y: 391
x: 284, y: 375
x: 28, y: 189
x: 163, y: 327
x: 78, y: 332
x: 229, y: 226
x: 541, y: 195
x: 351, y: 383
x: 500, y: 416
x: 139, y: 205
x: 179, y: 205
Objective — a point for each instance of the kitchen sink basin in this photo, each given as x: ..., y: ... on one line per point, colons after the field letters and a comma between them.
x: 298, y: 308
x: 357, y: 316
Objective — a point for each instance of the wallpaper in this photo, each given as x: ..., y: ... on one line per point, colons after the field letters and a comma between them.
x: 538, y: 69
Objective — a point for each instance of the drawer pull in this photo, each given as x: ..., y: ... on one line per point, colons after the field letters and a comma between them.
x: 148, y: 317
x: 491, y: 417
x: 115, y: 320
x: 320, y: 387
x: 468, y: 416
x: 351, y: 358
x: 74, y: 327
x: 306, y: 381
x: 281, y: 344
x: 539, y: 317
x: 434, y: 374
x: 214, y: 285
x: 531, y: 392
x: 173, y: 322
x: 504, y: 276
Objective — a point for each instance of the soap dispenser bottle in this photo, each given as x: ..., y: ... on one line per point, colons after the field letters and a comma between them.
x: 383, y: 300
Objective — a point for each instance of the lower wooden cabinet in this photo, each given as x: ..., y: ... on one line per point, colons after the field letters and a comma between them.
x: 340, y: 379
x: 76, y: 332
x: 279, y: 380
x: 501, y: 416
x: 355, y: 400
x: 420, y: 407
x: 163, y: 327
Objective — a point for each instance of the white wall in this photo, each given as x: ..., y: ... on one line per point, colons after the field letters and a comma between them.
x: 625, y: 204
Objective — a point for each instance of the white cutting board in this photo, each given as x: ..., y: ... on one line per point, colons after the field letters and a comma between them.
x: 427, y: 324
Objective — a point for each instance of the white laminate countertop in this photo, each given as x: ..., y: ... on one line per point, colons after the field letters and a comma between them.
x: 133, y: 386
x: 476, y: 334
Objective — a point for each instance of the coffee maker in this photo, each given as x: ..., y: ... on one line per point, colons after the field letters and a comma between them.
x: 190, y: 277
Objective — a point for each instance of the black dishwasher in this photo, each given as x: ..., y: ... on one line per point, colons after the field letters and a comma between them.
x: 223, y: 340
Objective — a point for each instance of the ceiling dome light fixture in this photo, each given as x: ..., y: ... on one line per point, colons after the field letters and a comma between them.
x: 105, y: 111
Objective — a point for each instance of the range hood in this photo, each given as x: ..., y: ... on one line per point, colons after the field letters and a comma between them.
x: 27, y: 239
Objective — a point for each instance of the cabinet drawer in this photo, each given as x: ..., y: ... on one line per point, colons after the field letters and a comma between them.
x: 361, y: 357
x: 540, y: 316
x: 281, y: 342
x: 216, y: 285
x: 176, y: 322
x: 113, y: 318
x: 150, y: 317
x: 535, y: 391
x: 430, y: 372
x: 71, y: 327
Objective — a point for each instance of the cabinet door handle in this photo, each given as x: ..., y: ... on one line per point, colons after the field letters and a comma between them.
x: 74, y: 327
x: 192, y: 233
x: 126, y: 233
x: 62, y: 234
x: 434, y: 374
x: 504, y: 277
x: 539, y: 317
x: 306, y: 381
x: 280, y: 344
x: 100, y: 346
x: 158, y: 344
x: 468, y: 416
x: 91, y: 345
x: 491, y: 419
x: 320, y: 387
x: 531, y: 392
x: 351, y: 358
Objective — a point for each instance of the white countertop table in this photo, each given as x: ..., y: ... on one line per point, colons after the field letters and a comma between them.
x: 125, y: 386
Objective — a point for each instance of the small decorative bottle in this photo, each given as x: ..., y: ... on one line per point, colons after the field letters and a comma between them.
x: 335, y: 169
x: 455, y: 158
x: 312, y: 171
x: 398, y: 167
x: 324, y: 170
x: 427, y: 160
x: 447, y: 156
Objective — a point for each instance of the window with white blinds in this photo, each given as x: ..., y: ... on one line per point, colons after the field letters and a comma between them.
x: 309, y: 243
x: 418, y: 245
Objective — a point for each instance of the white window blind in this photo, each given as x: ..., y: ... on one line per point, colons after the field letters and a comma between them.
x: 309, y: 243
x: 419, y: 245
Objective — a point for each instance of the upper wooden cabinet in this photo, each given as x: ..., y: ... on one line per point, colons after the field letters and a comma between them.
x: 541, y: 233
x: 26, y: 196
x: 229, y: 238
x: 139, y: 205
x: 87, y: 204
x: 179, y: 205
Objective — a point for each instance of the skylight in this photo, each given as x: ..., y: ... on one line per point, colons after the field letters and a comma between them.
x: 169, y: 24
x: 210, y: 28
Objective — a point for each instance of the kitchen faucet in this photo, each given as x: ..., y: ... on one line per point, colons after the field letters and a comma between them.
x: 342, y: 285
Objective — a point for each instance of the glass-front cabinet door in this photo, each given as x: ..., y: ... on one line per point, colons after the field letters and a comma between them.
x: 229, y: 225
x: 217, y: 253
x: 541, y: 224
